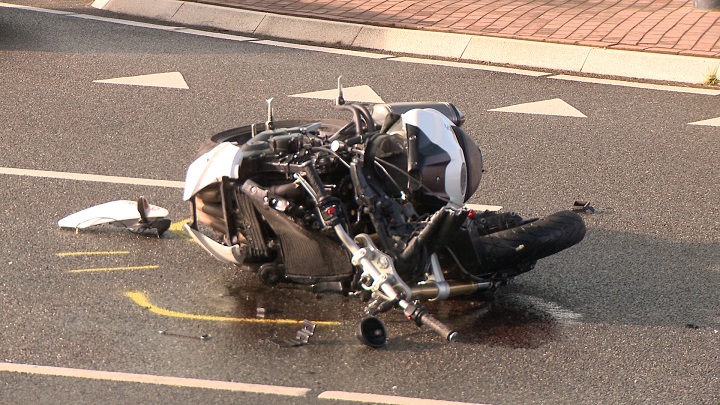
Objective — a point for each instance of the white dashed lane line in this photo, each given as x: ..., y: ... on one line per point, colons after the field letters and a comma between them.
x: 217, y: 385
x: 153, y: 379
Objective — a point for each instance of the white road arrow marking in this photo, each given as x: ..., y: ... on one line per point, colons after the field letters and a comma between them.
x: 362, y: 94
x: 554, y: 106
x: 712, y: 122
x: 173, y: 80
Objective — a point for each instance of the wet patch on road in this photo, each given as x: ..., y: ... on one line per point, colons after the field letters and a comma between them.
x: 507, y: 319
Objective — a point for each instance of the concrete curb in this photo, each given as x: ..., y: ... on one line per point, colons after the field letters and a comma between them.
x: 655, y: 66
x: 469, y: 48
x: 529, y: 53
x: 426, y: 43
x: 204, y: 15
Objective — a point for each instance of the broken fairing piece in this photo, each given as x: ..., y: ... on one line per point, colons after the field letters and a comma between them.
x: 302, y: 336
x: 231, y: 255
x: 137, y: 216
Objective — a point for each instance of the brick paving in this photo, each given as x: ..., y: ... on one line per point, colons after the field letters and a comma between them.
x: 665, y: 26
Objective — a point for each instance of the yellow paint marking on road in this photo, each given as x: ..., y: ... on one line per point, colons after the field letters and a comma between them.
x: 66, y: 254
x: 177, y: 231
x: 154, y: 266
x: 178, y: 226
x: 142, y: 300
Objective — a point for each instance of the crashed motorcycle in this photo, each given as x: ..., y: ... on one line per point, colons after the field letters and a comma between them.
x: 373, y: 207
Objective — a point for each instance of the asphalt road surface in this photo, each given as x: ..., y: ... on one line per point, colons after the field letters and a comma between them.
x: 631, y: 315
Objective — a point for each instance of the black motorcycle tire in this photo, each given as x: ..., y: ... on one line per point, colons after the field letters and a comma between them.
x: 513, y: 249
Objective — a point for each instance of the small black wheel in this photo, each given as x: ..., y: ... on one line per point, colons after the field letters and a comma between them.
x: 271, y: 274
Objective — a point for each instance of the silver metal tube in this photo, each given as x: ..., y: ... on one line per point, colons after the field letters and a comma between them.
x: 456, y: 288
x: 442, y: 285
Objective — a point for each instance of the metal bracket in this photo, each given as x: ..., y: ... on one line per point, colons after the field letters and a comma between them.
x: 382, y: 262
x: 340, y: 100
x: 439, y: 279
x: 302, y: 336
x: 270, y: 123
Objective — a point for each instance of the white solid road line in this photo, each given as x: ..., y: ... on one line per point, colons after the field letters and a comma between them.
x: 154, y: 379
x: 30, y: 8
x: 92, y: 177
x: 649, y: 86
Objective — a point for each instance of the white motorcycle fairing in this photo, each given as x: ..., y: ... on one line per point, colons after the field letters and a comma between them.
x: 226, y: 254
x: 120, y: 213
x: 222, y: 161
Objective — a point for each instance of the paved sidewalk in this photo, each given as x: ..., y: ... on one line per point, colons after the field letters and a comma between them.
x: 669, y: 26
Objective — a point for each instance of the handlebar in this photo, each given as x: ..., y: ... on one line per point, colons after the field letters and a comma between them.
x: 422, y: 317
x: 439, y: 328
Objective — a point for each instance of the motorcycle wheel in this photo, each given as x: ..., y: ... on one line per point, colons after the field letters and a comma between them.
x: 511, y: 250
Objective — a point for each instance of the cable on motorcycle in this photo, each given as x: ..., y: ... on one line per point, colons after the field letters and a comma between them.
x: 332, y: 152
x: 462, y: 268
x: 406, y: 174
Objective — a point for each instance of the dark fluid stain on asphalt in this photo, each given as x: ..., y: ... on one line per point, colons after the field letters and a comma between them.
x: 505, y: 319
x: 254, y: 300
